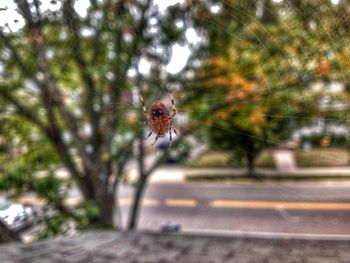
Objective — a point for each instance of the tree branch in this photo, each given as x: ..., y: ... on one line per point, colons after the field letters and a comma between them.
x: 96, y: 42
x: 50, y: 94
x: 23, y: 6
x: 53, y: 133
x: 122, y: 67
x: 135, y: 50
x: 14, y: 53
x: 21, y: 110
x: 73, y: 28
x: 123, y: 156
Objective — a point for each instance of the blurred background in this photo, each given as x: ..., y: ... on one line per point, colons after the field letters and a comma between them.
x: 261, y: 91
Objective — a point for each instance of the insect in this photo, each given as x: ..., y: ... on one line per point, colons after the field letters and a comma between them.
x: 160, y: 119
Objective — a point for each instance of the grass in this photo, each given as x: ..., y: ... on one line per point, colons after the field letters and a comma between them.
x: 215, y: 159
x: 317, y: 157
x: 265, y: 159
x: 322, y: 157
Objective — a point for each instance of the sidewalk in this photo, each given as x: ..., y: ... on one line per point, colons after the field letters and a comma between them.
x: 110, y: 246
x: 173, y: 174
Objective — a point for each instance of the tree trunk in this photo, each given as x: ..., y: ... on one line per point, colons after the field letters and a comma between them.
x: 7, y: 235
x: 250, y: 164
x: 107, y: 211
x: 106, y: 205
x: 133, y: 218
x: 134, y: 213
x: 86, y: 186
x: 86, y: 190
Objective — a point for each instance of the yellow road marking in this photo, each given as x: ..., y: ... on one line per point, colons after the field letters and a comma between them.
x: 72, y: 201
x: 43, y: 201
x: 32, y: 201
x: 220, y: 203
x: 181, y: 202
x: 279, y: 205
x: 145, y: 202
x: 150, y: 202
x: 125, y: 201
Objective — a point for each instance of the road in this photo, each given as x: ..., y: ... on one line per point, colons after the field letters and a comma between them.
x: 309, y: 208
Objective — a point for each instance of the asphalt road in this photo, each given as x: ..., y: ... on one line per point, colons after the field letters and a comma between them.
x: 308, y: 208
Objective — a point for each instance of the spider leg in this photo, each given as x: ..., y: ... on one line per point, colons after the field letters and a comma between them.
x: 172, y: 126
x: 174, y: 130
x: 173, y: 105
x: 144, y: 107
x: 171, y: 139
x: 155, y: 140
x: 148, y: 135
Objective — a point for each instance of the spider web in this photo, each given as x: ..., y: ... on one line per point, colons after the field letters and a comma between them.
x: 183, y: 114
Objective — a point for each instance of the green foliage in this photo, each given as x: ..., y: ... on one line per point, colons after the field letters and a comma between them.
x: 88, y: 214
x: 53, y: 225
x: 258, y: 68
x: 22, y: 180
x: 332, y: 140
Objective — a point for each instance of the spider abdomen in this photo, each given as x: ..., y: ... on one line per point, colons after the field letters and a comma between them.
x: 160, y: 118
x: 161, y: 125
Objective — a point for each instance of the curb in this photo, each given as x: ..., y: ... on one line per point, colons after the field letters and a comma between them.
x: 255, y: 235
x: 233, y: 178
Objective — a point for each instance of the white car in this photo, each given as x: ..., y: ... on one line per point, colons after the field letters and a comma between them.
x: 15, y: 216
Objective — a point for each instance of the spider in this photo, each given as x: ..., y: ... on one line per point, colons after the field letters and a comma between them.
x: 159, y: 119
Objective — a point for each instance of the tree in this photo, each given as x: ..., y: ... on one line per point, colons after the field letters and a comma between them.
x: 259, y: 66
x: 69, y: 77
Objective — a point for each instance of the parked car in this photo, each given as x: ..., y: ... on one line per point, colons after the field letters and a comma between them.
x: 163, y: 145
x: 16, y: 216
x: 170, y: 227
